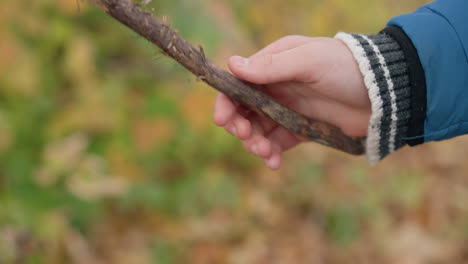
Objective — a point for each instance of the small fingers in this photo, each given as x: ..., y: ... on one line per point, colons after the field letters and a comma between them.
x: 269, y: 144
x: 239, y: 127
x: 259, y: 146
x: 227, y: 115
x: 280, y: 140
x: 251, y: 129
x: 224, y: 111
x: 274, y: 161
x: 267, y: 148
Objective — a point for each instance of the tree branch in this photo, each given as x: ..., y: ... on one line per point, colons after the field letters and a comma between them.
x: 195, y: 61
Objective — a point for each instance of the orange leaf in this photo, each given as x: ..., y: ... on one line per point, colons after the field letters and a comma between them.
x: 150, y: 133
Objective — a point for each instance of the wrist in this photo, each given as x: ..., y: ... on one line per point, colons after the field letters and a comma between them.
x: 385, y: 72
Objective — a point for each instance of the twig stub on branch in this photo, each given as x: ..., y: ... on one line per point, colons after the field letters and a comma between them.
x: 196, y: 62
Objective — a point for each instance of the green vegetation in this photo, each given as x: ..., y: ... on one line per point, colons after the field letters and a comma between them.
x: 108, y: 153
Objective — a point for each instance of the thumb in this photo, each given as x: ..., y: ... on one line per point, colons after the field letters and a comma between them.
x: 289, y: 65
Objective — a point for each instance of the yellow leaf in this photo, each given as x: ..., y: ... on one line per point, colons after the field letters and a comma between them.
x: 197, y: 107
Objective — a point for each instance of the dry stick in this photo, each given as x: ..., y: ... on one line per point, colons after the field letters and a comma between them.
x: 195, y: 61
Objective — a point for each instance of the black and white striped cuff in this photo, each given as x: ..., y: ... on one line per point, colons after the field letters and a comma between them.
x: 386, y: 75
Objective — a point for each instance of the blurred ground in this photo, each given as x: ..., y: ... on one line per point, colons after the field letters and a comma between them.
x: 108, y: 153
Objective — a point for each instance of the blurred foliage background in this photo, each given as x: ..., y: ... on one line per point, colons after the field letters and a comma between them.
x: 108, y: 153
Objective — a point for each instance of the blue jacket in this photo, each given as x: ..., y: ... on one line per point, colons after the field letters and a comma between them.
x: 439, y: 32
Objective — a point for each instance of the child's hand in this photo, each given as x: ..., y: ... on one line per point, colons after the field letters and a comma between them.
x: 317, y: 77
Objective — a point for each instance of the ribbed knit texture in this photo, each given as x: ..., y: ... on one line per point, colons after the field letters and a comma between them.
x: 386, y: 76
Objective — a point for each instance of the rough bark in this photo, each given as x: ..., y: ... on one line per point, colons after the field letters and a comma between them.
x: 195, y: 61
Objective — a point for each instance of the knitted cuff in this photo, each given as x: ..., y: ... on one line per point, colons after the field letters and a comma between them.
x: 386, y: 76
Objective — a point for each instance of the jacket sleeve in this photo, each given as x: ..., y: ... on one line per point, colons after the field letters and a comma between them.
x: 416, y: 72
x: 439, y: 31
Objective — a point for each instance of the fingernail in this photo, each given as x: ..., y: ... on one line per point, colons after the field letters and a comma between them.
x: 240, y: 61
x: 255, y: 149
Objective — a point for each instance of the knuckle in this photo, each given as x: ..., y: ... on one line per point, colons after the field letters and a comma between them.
x: 267, y: 60
x: 262, y: 68
x: 267, y: 65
